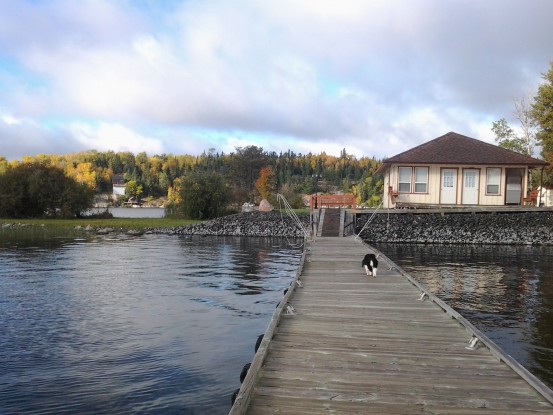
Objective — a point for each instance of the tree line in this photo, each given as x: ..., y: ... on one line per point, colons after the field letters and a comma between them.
x: 246, y: 175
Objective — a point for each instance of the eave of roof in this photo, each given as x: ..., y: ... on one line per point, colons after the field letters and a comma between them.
x: 453, y: 148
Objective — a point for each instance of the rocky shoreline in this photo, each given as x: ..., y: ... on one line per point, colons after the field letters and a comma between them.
x: 516, y: 228
x: 260, y: 224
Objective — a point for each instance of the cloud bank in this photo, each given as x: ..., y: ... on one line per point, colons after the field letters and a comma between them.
x: 375, y: 77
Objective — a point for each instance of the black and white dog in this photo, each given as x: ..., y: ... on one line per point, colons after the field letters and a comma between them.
x: 370, y: 263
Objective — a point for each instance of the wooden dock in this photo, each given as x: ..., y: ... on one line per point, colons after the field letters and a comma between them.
x: 346, y: 343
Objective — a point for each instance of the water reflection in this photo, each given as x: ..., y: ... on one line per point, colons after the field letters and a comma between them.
x: 115, y: 324
x: 506, y: 291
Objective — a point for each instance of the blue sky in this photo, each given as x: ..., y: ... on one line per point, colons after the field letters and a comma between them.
x: 375, y: 77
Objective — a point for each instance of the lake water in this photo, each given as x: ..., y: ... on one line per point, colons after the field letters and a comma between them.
x: 123, y: 325
x: 505, y: 291
x: 163, y: 325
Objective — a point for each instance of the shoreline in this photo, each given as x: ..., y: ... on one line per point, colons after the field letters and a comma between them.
x: 253, y: 224
x: 484, y: 228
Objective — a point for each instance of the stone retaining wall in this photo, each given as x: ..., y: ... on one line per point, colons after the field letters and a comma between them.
x: 528, y: 228
x: 243, y: 224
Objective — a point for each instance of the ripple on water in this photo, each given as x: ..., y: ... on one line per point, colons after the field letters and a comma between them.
x: 505, y: 291
x: 154, y: 325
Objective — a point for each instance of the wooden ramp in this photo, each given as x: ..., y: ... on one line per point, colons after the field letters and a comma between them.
x: 364, y: 345
x: 331, y: 224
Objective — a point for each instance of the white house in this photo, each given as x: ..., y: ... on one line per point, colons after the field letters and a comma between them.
x: 457, y: 170
x: 118, y: 183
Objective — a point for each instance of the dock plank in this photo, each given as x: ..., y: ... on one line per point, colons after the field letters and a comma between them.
x: 364, y: 345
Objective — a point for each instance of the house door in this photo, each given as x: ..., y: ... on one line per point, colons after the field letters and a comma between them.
x: 448, y: 188
x: 471, y: 179
x: 513, y: 187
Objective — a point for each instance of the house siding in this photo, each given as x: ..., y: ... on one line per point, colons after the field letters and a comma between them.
x: 432, y: 196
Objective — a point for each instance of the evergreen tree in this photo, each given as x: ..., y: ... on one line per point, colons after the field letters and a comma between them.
x: 245, y: 166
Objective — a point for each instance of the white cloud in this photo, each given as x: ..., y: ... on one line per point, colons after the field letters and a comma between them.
x: 116, y: 137
x: 10, y: 120
x: 375, y: 76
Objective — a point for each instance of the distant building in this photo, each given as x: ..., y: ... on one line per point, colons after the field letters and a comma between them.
x: 118, y: 183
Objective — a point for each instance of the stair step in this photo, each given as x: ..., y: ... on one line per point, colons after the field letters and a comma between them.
x: 331, y: 223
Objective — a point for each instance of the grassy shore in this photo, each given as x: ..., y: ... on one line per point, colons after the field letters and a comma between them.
x: 125, y: 223
x: 116, y: 223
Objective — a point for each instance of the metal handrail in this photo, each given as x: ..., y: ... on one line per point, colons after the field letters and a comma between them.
x: 369, y: 220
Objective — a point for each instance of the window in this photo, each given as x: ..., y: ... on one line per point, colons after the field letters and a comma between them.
x: 421, y: 179
x: 493, y: 180
x: 447, y: 179
x: 406, y: 176
x: 470, y: 179
x: 404, y: 185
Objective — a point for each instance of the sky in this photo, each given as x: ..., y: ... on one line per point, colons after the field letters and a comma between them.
x: 373, y: 77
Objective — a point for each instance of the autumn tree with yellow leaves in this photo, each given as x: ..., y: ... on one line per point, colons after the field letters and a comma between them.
x: 247, y: 171
x: 266, y: 182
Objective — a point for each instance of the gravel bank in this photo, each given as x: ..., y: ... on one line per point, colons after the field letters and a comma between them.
x: 242, y: 224
x: 523, y: 228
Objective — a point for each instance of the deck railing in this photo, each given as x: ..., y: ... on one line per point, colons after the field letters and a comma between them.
x: 321, y: 201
